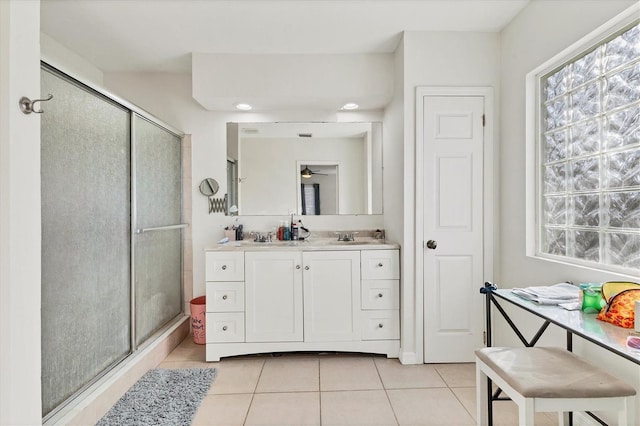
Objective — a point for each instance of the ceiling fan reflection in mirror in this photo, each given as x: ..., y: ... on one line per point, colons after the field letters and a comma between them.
x: 307, y: 173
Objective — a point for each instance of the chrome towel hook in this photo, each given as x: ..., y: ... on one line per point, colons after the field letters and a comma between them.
x: 27, y: 105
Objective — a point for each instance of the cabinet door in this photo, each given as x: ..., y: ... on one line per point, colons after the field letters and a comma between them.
x: 224, y: 266
x: 273, y: 292
x: 227, y: 327
x: 331, y: 295
x: 225, y: 296
x: 381, y: 325
x: 380, y: 294
x: 380, y: 265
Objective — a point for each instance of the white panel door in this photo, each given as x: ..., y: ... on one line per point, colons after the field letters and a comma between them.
x: 331, y: 296
x: 273, y: 292
x: 453, y: 227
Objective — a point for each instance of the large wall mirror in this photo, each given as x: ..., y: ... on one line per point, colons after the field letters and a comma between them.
x: 305, y: 168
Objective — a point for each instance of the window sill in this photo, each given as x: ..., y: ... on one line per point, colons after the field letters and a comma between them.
x: 617, y: 272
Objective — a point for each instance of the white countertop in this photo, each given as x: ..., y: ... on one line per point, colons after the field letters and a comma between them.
x: 312, y: 244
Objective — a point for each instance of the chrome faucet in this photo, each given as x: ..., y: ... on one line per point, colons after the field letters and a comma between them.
x: 259, y: 238
x: 349, y: 236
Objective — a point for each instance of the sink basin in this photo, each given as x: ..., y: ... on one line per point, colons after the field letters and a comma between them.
x: 320, y: 242
x: 266, y: 244
x: 354, y: 243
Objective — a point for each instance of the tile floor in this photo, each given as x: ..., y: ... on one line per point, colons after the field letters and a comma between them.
x: 337, y: 389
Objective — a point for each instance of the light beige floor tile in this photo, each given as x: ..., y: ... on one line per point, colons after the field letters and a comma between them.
x: 223, y: 410
x: 352, y: 373
x: 186, y: 364
x: 356, y: 408
x: 397, y: 376
x: 289, y: 374
x: 237, y: 375
x: 187, y: 351
x: 436, y: 406
x: 505, y: 412
x: 299, y: 408
x: 457, y: 375
x: 467, y: 397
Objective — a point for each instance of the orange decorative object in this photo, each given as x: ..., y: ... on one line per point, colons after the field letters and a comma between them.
x: 620, y: 309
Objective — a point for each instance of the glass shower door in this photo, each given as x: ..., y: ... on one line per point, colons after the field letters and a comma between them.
x: 86, y: 233
x: 157, y: 241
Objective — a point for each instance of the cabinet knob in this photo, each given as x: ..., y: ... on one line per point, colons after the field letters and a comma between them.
x: 379, y: 294
x: 306, y: 268
x: 224, y: 297
x: 380, y: 325
x: 297, y: 266
x: 224, y: 267
x: 380, y: 265
x: 224, y: 328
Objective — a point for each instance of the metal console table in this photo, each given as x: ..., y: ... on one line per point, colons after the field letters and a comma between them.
x: 577, y: 323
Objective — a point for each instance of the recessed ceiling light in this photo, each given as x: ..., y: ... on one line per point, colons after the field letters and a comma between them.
x: 243, y: 107
x: 350, y: 105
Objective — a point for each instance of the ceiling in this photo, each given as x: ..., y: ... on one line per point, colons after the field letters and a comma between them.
x: 160, y: 35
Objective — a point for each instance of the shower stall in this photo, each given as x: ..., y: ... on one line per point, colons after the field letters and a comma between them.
x: 111, y: 179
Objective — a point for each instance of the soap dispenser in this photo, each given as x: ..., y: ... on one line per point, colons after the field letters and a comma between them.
x: 281, y: 231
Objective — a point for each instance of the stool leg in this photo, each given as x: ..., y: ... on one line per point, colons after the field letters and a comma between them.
x: 526, y: 412
x: 482, y: 397
x: 626, y: 415
x: 562, y: 418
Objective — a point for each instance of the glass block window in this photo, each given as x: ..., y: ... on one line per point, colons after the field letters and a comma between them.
x: 589, y: 155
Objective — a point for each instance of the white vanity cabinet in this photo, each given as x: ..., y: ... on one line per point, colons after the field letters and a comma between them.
x: 273, y: 292
x: 380, y: 295
x: 331, y: 296
x: 224, y: 275
x: 311, y: 299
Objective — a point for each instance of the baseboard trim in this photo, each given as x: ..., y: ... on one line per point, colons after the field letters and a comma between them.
x: 407, y: 358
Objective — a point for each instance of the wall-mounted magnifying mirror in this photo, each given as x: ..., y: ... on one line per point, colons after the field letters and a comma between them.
x: 209, y: 187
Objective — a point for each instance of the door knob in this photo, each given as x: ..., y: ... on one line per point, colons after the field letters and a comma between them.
x: 432, y: 244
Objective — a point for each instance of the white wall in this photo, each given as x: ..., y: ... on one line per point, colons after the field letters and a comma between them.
x: 434, y: 59
x: 168, y: 96
x: 539, y: 32
x: 292, y: 81
x: 20, y: 233
x: 59, y: 56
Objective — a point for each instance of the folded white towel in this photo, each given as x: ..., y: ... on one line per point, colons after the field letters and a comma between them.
x: 550, y: 295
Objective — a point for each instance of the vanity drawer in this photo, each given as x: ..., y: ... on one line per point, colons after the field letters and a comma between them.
x: 381, y: 325
x: 380, y: 265
x: 224, y: 266
x: 380, y: 294
x: 225, y: 296
x: 225, y: 327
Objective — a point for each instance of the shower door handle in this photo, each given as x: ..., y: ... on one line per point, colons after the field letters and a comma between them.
x: 161, y: 228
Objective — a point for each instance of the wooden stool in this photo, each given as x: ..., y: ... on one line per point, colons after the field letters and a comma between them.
x: 549, y: 379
